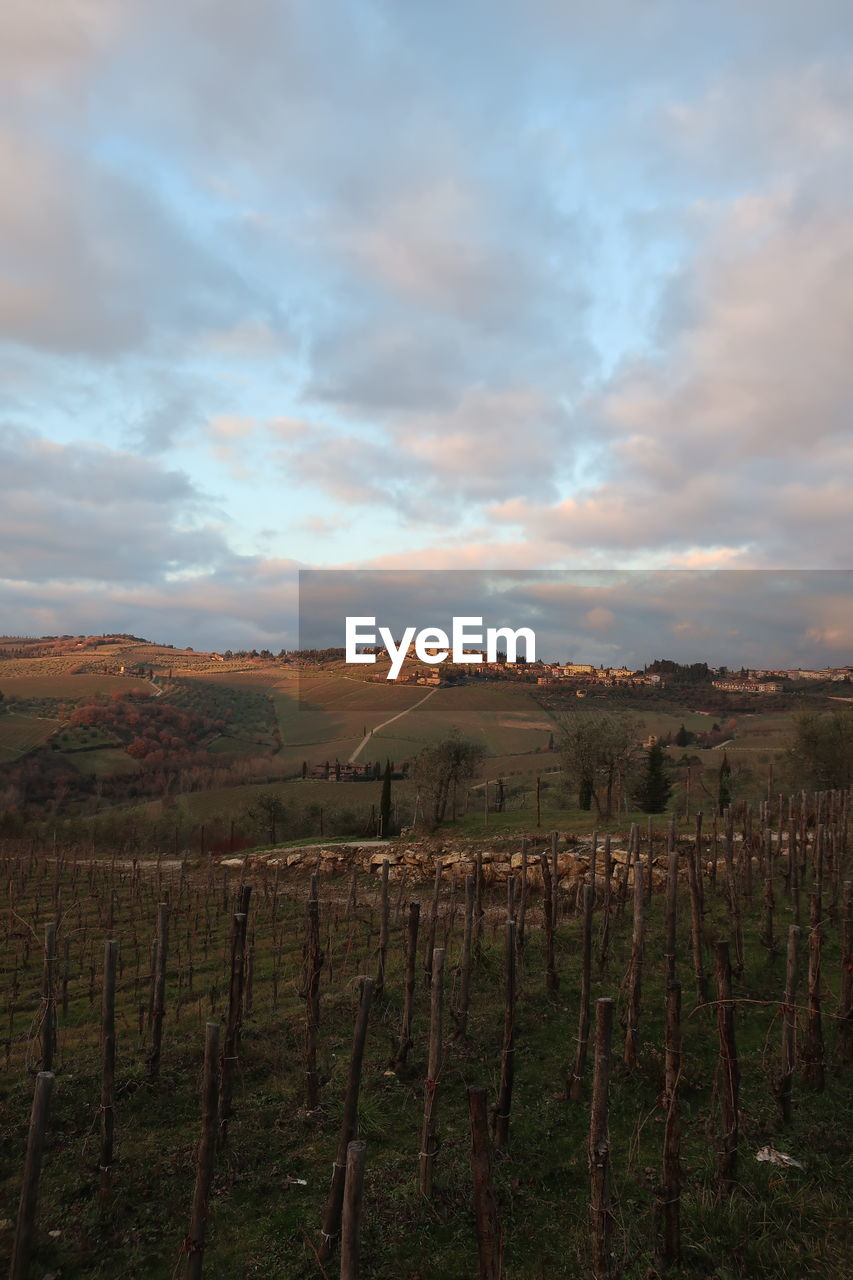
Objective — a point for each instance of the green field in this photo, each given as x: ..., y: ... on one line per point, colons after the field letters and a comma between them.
x: 20, y: 734
x: 104, y: 762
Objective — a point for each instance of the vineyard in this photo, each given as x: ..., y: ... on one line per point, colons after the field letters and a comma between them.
x: 626, y: 1055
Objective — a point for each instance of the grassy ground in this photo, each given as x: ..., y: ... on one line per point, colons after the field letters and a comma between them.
x: 264, y: 1221
x: 19, y: 734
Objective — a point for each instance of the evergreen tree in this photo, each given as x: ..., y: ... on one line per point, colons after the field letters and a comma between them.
x: 653, y: 789
x: 724, y: 795
x: 585, y: 794
x: 683, y: 737
x: 385, y: 802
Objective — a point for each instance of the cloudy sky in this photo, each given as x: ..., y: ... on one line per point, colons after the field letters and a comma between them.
x: 553, y: 284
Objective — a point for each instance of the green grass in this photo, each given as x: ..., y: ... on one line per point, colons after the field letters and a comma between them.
x: 105, y: 762
x: 776, y: 1223
x: 20, y: 734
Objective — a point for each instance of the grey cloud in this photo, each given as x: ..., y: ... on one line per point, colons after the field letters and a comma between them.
x: 84, y: 513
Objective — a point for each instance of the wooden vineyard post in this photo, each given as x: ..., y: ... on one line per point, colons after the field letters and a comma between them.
x: 767, y: 937
x: 206, y: 1156
x: 733, y: 891
x: 409, y: 986
x: 604, y: 937
x: 433, y: 923
x: 845, y: 1000
x: 669, y: 1202
x: 813, y: 1067
x: 671, y: 916
x: 159, y: 990
x: 635, y: 970
x: 349, y: 1121
x: 697, y: 863
x: 108, y: 1066
x: 504, y: 1103
x: 576, y: 1081
x: 789, y: 1025
x: 479, y: 913
x: 48, y: 1026
x: 555, y: 877
x: 461, y: 1018
x: 428, y: 1132
x: 551, y: 979
x: 231, y: 1044
x: 729, y: 1072
x: 485, y: 1204
x: 313, y: 969
x: 522, y: 902
x: 25, y: 1225
x: 384, y: 922
x: 601, y: 1211
x: 693, y: 872
x: 351, y: 1212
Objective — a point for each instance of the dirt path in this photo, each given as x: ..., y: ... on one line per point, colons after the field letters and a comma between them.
x: 398, y: 716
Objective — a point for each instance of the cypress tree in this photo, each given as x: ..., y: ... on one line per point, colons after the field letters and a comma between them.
x: 653, y: 789
x: 724, y: 795
x: 385, y: 802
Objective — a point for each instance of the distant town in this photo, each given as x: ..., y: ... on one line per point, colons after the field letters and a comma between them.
x: 582, y: 677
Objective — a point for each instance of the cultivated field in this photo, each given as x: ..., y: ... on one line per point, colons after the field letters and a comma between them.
x: 629, y: 1153
x: 20, y: 734
x: 73, y: 688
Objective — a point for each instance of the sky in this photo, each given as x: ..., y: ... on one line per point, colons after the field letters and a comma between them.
x: 473, y: 285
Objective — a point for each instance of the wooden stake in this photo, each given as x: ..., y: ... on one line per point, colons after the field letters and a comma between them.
x: 409, y: 986
x: 461, y: 1018
x: 669, y: 1201
x: 384, y: 925
x: 351, y: 1212
x: 231, y: 1044
x: 845, y: 999
x: 729, y: 1072
x: 601, y: 1210
x: 485, y: 1204
x: 789, y: 1026
x: 696, y: 928
x: 433, y: 924
x: 48, y: 1026
x: 635, y: 969
x: 313, y: 968
x: 108, y: 1066
x: 349, y: 1122
x: 576, y: 1080
x: 25, y: 1226
x: 551, y: 979
x: 159, y: 1006
x: 428, y: 1132
x: 813, y: 1069
x: 206, y: 1155
x: 604, y: 937
x: 504, y: 1103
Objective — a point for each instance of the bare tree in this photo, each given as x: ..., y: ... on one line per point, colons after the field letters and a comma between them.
x: 442, y: 767
x: 596, y: 748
